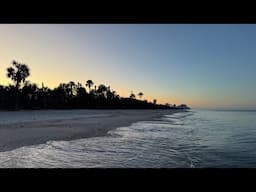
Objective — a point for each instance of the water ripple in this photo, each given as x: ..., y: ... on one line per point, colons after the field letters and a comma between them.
x: 192, y: 139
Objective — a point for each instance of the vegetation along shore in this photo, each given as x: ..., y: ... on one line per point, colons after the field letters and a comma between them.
x: 26, y: 95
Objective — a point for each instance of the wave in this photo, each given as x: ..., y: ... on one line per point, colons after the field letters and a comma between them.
x: 188, y: 140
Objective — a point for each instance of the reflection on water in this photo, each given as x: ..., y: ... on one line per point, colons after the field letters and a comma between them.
x: 197, y: 138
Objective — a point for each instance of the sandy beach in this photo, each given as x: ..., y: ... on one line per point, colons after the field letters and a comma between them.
x: 22, y: 128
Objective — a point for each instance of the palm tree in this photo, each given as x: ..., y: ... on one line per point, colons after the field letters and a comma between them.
x: 89, y: 83
x: 79, y: 85
x: 80, y: 90
x: 154, y: 101
x: 140, y: 94
x: 132, y: 96
x: 102, y: 89
x: 18, y: 74
x: 71, y: 85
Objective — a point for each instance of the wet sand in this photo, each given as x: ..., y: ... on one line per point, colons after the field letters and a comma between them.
x: 24, y: 128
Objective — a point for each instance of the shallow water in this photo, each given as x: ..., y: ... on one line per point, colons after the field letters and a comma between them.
x: 198, y: 138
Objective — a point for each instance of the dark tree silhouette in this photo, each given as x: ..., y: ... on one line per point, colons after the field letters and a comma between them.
x: 18, y: 74
x: 81, y: 91
x: 140, y: 94
x: 101, y: 91
x: 71, y: 86
x: 66, y: 96
x: 3, y: 91
x: 89, y: 83
x: 43, y: 94
x: 95, y: 88
x: 132, y: 96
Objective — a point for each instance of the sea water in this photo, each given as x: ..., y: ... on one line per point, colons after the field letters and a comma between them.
x: 193, y: 139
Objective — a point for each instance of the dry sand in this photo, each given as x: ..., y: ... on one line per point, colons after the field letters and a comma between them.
x: 23, y: 128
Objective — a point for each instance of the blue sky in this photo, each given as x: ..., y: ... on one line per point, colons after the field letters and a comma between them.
x: 201, y: 65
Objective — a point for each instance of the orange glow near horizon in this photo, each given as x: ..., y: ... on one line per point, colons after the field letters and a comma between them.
x: 175, y: 64
x: 52, y: 62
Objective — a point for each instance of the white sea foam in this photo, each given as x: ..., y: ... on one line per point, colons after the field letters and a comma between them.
x: 178, y: 140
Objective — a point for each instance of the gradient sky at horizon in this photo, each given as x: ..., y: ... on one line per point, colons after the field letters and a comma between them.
x: 204, y: 66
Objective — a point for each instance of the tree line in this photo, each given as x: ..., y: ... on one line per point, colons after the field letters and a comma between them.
x: 26, y: 95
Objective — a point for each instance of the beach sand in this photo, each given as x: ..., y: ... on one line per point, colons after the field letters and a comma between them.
x: 22, y: 128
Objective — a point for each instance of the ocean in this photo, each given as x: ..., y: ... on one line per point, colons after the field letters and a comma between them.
x: 192, y: 139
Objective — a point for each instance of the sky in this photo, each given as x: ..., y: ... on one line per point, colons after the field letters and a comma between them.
x: 201, y: 65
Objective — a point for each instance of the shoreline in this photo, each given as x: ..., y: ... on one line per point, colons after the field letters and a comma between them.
x: 22, y: 128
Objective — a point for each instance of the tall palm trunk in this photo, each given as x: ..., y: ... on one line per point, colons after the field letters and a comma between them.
x: 17, y: 96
